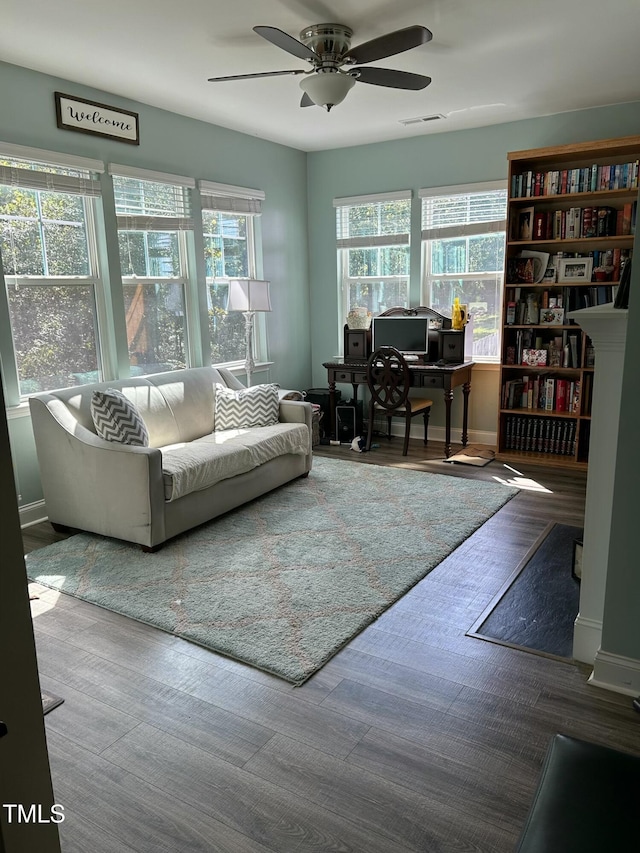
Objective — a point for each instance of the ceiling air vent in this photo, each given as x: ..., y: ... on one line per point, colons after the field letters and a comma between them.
x: 421, y: 119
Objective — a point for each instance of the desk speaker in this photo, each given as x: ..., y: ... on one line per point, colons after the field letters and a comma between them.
x: 451, y: 346
x: 345, y: 424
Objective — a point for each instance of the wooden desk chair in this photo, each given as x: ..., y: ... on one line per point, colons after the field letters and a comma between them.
x: 389, y: 382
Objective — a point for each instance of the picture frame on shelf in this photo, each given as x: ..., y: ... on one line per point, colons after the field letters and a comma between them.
x: 540, y: 261
x: 552, y: 316
x: 550, y: 274
x: 524, y: 224
x: 575, y: 269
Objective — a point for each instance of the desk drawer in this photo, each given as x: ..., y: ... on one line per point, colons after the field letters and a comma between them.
x: 430, y: 381
x: 356, y: 376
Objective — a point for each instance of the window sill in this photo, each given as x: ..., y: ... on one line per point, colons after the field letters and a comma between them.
x: 490, y: 366
x: 238, y: 368
x: 19, y: 411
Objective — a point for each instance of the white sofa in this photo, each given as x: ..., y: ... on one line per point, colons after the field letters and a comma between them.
x: 189, y: 473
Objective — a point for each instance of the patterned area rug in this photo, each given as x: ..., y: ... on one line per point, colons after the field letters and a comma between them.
x: 286, y: 581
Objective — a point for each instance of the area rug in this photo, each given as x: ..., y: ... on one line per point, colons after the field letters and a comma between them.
x: 285, y: 581
x: 536, y: 608
x: 49, y: 701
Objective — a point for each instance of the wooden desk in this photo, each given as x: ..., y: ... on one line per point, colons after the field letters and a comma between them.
x: 428, y: 376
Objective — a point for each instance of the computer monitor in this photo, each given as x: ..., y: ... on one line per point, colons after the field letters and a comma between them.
x: 411, y: 335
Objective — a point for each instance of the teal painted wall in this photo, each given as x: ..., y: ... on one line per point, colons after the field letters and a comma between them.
x: 441, y: 159
x: 183, y: 146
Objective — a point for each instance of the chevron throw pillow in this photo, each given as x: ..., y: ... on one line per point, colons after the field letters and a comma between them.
x: 117, y: 419
x: 249, y: 407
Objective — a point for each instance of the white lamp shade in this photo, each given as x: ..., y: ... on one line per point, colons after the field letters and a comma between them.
x: 248, y: 294
x: 326, y: 89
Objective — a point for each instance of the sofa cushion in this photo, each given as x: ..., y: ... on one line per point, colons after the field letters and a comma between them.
x: 267, y: 443
x: 117, y: 419
x: 249, y: 407
x: 195, y: 465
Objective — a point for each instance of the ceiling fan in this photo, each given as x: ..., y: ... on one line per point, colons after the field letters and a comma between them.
x: 327, y: 47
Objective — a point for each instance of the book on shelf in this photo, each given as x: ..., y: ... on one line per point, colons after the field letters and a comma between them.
x: 573, y: 350
x: 576, y: 223
x: 594, y: 178
x: 560, y: 402
x: 540, y: 435
x: 549, y: 393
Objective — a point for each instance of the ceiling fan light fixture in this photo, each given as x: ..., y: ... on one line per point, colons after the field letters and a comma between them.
x: 327, y: 88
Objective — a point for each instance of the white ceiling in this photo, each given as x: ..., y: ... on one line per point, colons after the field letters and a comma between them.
x: 491, y: 61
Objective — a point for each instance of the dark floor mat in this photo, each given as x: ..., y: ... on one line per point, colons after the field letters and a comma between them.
x: 537, y: 607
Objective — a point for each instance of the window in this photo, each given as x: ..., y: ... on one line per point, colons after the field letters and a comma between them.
x: 463, y: 233
x: 373, y: 251
x: 229, y: 248
x: 48, y: 247
x: 154, y: 219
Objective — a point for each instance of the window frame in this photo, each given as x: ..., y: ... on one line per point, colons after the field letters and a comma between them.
x: 345, y: 243
x: 35, y: 164
x: 237, y: 201
x: 181, y: 224
x: 466, y: 231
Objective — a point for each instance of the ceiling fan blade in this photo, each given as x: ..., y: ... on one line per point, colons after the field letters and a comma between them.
x: 250, y: 76
x: 392, y: 79
x: 306, y: 101
x: 286, y: 42
x: 395, y: 42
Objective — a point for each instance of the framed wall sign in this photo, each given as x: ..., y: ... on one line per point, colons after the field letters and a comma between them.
x: 91, y: 117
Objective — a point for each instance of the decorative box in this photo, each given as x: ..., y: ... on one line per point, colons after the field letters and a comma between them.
x: 534, y: 357
x: 552, y: 316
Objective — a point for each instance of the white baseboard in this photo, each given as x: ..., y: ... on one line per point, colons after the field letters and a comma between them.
x: 437, y: 433
x: 587, y: 636
x: 33, y: 513
x: 617, y: 673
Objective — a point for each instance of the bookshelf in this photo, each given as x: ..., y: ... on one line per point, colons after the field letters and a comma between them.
x: 570, y: 229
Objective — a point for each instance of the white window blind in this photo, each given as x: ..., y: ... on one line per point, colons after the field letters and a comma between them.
x: 29, y: 168
x: 447, y: 212
x: 226, y: 198
x: 161, y: 204
x: 380, y: 219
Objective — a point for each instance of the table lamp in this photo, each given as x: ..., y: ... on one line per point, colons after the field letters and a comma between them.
x: 248, y: 295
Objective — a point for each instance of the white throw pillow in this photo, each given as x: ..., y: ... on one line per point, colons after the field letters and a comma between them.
x: 117, y: 419
x: 249, y: 407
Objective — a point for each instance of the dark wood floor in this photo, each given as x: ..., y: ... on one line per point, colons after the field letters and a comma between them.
x: 413, y: 738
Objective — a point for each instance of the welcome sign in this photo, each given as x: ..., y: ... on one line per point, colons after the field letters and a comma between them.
x: 91, y: 117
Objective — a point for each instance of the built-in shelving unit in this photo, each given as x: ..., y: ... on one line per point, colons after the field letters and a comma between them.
x: 570, y: 230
